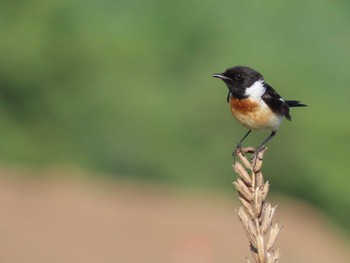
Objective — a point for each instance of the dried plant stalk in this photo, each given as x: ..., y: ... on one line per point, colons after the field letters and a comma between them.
x: 254, y: 213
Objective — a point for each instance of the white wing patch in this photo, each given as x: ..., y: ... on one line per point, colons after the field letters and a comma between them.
x: 256, y: 90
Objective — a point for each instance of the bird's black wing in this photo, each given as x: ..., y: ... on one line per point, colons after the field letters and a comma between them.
x: 275, y: 102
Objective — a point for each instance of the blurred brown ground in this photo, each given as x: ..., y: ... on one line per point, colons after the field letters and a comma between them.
x: 45, y: 217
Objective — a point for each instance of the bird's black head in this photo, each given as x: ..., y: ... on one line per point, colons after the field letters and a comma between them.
x: 238, y: 79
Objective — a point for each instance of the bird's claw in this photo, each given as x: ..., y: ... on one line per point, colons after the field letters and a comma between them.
x: 236, y: 150
x: 255, y: 155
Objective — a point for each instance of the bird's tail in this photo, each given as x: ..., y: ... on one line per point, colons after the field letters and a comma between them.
x: 295, y: 103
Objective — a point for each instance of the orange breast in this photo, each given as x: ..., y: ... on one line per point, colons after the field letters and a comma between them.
x: 243, y: 106
x: 254, y: 114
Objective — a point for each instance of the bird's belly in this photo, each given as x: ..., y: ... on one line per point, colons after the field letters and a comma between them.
x: 255, y: 115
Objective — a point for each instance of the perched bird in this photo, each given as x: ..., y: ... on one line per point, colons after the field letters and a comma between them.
x: 254, y: 103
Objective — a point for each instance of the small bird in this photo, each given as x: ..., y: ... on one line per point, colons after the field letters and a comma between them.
x: 254, y: 103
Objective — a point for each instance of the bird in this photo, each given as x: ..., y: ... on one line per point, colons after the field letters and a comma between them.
x: 254, y: 103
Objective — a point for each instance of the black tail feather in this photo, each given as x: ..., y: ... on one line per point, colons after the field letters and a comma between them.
x: 295, y: 103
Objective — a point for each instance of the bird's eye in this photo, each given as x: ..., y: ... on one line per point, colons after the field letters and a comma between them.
x: 238, y: 76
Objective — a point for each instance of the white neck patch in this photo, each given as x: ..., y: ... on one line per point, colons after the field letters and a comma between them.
x: 256, y: 90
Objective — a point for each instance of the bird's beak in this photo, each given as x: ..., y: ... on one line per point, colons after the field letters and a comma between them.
x: 220, y: 76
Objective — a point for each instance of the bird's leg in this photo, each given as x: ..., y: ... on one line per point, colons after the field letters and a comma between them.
x: 262, y: 146
x: 273, y: 133
x: 239, y: 145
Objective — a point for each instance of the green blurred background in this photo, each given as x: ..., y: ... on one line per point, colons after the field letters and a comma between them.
x: 124, y: 88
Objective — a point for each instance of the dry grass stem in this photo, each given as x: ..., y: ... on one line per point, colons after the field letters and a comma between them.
x: 255, y: 213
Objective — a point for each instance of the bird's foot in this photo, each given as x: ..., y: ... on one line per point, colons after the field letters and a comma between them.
x: 236, y: 150
x: 256, y: 155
